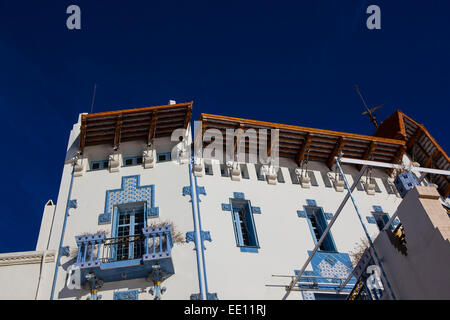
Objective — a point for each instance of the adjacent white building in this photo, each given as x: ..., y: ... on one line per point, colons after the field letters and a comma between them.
x: 135, y: 218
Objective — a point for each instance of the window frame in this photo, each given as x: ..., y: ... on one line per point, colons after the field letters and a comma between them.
x: 168, y: 156
x: 237, y: 204
x: 134, y: 161
x: 321, y: 224
x: 101, y: 164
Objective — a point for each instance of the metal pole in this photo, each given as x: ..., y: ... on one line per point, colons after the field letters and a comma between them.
x: 378, y: 261
x: 394, y: 166
x: 391, y: 220
x: 322, y: 238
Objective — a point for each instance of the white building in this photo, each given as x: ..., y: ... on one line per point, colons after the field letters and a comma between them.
x: 135, y: 219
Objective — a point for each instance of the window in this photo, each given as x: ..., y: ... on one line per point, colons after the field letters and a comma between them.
x: 389, y: 186
x: 163, y: 157
x: 244, y: 171
x: 312, y: 176
x: 294, y: 176
x: 224, y: 170
x: 132, y: 161
x: 280, y: 177
x: 208, y: 169
x: 244, y: 225
x: 128, y: 242
x: 258, y: 172
x: 326, y: 179
x: 318, y: 224
x: 99, y: 165
x: 373, y: 181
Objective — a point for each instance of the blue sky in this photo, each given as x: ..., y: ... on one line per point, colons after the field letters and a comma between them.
x: 292, y: 62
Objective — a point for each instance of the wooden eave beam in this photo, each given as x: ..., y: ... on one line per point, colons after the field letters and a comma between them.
x: 431, y: 158
x: 188, y: 117
x: 337, y: 149
x: 414, y: 138
x: 368, y: 153
x: 397, y: 158
x: 117, y: 132
x: 272, y: 141
x: 303, y: 148
x: 151, y: 130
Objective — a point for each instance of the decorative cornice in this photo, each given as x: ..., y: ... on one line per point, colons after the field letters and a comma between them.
x: 29, y: 257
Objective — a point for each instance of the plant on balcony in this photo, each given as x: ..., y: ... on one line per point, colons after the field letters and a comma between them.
x: 74, y: 251
x: 177, y: 237
x: 359, y: 250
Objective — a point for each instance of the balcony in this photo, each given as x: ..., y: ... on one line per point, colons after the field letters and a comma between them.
x: 125, y: 258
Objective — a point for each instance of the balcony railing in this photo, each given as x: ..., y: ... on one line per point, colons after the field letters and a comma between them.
x: 126, y: 257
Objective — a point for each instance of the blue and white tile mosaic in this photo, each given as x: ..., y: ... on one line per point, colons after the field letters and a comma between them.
x: 131, y: 191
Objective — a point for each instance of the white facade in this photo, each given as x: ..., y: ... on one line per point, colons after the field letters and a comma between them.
x: 284, y: 236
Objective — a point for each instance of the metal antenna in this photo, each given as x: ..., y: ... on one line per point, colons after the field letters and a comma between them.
x: 368, y: 111
x: 93, y: 98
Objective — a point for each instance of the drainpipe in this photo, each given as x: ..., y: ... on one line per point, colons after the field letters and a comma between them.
x: 197, y: 237
x: 63, y: 230
x: 197, y: 199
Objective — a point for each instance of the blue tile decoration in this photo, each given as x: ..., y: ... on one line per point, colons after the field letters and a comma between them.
x: 312, y: 203
x: 301, y: 213
x: 377, y: 209
x: 206, y: 236
x: 196, y: 296
x: 238, y: 195
x: 328, y: 215
x: 131, y: 191
x: 126, y: 295
x: 371, y: 219
x: 326, y: 265
x: 211, y: 296
x: 73, y: 204
x: 190, y: 237
x: 256, y: 210
x: 201, y: 190
x: 226, y: 207
x: 64, y: 251
x: 186, y: 190
x: 396, y: 222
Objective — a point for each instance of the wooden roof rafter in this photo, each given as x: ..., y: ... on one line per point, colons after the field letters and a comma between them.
x: 323, y: 145
x: 144, y: 124
x: 419, y: 142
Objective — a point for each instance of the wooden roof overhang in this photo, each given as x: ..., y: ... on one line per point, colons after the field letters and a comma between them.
x: 323, y: 145
x: 114, y: 127
x: 419, y: 144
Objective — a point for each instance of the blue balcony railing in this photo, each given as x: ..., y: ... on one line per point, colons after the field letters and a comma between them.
x: 127, y: 257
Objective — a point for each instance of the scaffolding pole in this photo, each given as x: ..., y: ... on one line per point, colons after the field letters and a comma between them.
x: 322, y: 238
x: 372, y: 247
x: 394, y: 166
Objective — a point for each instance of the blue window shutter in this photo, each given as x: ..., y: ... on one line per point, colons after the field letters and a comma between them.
x: 328, y: 241
x: 251, y: 225
x: 371, y: 219
x: 237, y: 228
